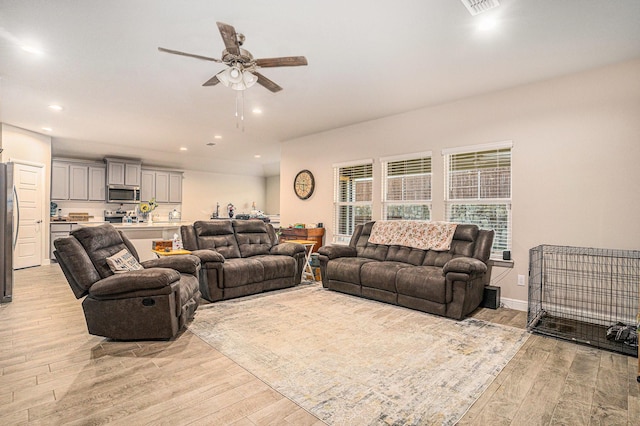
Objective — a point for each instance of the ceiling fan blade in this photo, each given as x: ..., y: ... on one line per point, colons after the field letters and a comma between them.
x: 264, y: 81
x: 229, y: 37
x: 191, y: 55
x: 288, y: 61
x: 212, y: 81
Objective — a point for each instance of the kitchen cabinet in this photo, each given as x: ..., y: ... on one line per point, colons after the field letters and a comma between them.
x: 123, y: 172
x: 175, y: 187
x: 164, y: 186
x: 59, y: 180
x: 97, y: 185
x: 147, y: 185
x: 77, y: 181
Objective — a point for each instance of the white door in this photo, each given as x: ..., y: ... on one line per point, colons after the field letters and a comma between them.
x: 28, y: 181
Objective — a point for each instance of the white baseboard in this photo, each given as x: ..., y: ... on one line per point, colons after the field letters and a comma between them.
x: 519, y: 305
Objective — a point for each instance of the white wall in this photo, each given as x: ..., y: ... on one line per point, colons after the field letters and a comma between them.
x: 272, y: 205
x: 20, y: 144
x: 202, y: 190
x: 575, y: 162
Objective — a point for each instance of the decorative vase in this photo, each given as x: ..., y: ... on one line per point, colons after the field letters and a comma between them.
x: 150, y: 220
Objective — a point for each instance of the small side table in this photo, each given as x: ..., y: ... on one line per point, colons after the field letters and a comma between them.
x: 307, y: 271
x: 161, y: 253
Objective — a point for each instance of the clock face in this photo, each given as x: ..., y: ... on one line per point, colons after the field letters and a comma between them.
x: 304, y: 184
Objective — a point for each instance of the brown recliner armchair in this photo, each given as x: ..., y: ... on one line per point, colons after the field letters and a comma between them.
x: 146, y: 304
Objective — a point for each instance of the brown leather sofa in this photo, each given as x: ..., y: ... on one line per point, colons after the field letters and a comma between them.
x: 147, y: 304
x: 242, y: 257
x: 449, y: 283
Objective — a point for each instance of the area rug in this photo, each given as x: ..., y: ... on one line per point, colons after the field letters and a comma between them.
x: 353, y: 361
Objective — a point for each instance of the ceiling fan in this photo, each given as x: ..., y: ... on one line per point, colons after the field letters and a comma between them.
x: 242, y: 72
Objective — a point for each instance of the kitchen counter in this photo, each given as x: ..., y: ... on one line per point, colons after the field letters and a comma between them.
x: 140, y: 226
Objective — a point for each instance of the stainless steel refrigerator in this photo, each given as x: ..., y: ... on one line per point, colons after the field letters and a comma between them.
x: 7, y: 241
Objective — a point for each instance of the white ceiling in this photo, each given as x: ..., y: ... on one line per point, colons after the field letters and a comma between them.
x: 367, y: 59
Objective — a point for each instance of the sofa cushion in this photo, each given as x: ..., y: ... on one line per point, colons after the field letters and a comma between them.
x: 424, y: 282
x: 277, y: 266
x: 217, y: 235
x: 238, y: 272
x: 252, y: 237
x: 437, y: 258
x: 405, y: 255
x: 381, y: 275
x: 368, y: 250
x: 346, y: 269
x: 122, y: 262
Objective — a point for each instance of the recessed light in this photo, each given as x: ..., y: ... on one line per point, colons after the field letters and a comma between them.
x: 487, y: 24
x: 31, y: 49
x: 256, y: 111
x: 55, y: 107
x: 182, y: 148
x: 47, y: 129
x: 257, y: 156
x: 217, y: 137
x: 210, y: 144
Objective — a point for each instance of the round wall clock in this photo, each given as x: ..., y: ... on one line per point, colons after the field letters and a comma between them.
x: 304, y: 184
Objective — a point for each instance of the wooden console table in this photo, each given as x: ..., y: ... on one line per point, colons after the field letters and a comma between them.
x: 311, y: 234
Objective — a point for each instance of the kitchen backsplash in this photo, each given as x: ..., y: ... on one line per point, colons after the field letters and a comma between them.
x: 97, y: 210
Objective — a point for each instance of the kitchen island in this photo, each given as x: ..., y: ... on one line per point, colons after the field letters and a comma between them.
x: 142, y: 234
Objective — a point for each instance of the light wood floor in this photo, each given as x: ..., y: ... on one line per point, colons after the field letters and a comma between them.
x: 53, y: 372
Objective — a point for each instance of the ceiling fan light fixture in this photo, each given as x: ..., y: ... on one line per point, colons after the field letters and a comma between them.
x: 236, y: 78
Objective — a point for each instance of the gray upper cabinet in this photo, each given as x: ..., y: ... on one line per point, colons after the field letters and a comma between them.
x: 123, y: 172
x: 132, y: 174
x: 175, y: 187
x: 59, y: 180
x: 79, y: 181
x: 164, y: 186
x: 97, y: 185
x: 147, y: 185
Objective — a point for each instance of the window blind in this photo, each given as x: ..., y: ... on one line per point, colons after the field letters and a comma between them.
x: 478, y: 191
x: 353, y: 195
x: 406, y: 192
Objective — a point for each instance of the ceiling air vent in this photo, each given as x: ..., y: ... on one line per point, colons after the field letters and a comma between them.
x: 478, y: 6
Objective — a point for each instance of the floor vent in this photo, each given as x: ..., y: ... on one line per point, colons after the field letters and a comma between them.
x: 478, y: 6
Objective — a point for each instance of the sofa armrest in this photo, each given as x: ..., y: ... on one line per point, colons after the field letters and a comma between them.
x: 333, y: 251
x: 185, y: 264
x: 460, y: 267
x: 145, y: 279
x: 287, y: 249
x: 208, y: 256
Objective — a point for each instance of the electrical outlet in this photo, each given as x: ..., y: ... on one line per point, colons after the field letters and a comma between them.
x: 521, y: 280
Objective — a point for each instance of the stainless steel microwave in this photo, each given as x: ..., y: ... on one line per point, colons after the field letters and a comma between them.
x: 123, y: 194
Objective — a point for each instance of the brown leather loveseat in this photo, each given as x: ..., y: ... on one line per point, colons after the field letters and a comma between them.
x: 242, y: 257
x: 449, y: 283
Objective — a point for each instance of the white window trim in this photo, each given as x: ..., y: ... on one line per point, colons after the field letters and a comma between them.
x: 384, y: 161
x: 343, y: 238
x: 478, y: 148
x: 474, y: 201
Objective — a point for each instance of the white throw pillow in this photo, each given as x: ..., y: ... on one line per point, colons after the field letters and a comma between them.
x: 123, y: 261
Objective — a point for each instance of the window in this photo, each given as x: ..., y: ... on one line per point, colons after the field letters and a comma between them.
x: 478, y: 189
x: 406, y: 192
x: 353, y: 191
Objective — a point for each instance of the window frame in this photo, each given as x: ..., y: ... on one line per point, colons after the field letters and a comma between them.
x: 501, y: 218
x: 386, y: 202
x: 340, y: 204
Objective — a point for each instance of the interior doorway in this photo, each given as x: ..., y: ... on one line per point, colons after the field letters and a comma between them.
x: 28, y: 214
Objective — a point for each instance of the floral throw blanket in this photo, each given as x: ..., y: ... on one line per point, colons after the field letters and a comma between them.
x: 419, y: 234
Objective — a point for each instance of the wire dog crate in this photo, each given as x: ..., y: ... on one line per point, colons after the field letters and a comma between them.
x: 579, y: 294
